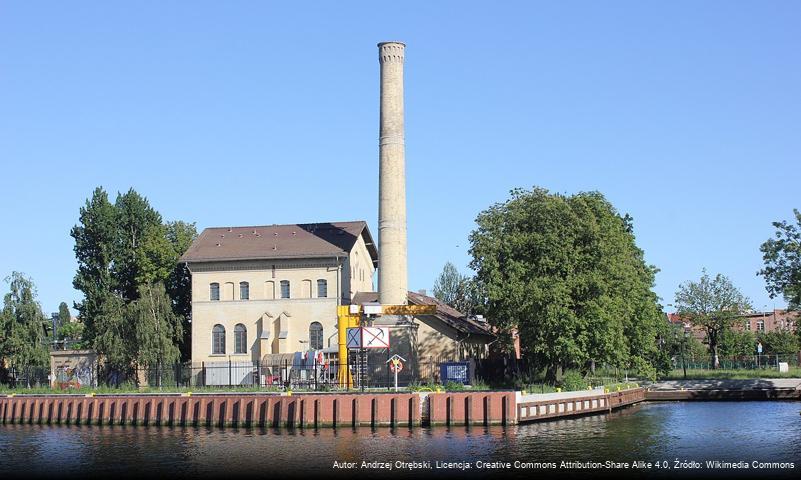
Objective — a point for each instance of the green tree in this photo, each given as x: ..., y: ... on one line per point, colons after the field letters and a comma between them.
x: 457, y: 290
x: 72, y: 331
x: 714, y: 304
x: 22, y: 339
x: 777, y: 343
x: 566, y: 272
x: 782, y: 258
x: 735, y: 343
x: 120, y: 249
x: 114, y: 336
x: 157, y: 329
x: 179, y: 284
x: 141, y: 250
x: 95, y: 236
x: 64, y: 317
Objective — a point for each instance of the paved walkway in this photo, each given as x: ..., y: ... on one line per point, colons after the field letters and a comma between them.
x: 536, y: 397
x: 750, y: 384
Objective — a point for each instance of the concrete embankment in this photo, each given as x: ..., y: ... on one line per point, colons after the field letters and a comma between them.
x: 553, y: 405
x: 264, y: 409
x: 751, y: 389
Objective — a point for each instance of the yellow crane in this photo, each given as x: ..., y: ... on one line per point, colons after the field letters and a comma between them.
x: 349, y: 316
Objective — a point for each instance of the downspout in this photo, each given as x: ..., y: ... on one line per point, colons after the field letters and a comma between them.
x: 339, y: 273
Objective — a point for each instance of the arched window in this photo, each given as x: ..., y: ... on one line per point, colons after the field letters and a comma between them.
x: 214, y: 291
x: 240, y: 339
x: 218, y: 340
x: 760, y: 326
x: 244, y: 291
x: 322, y: 288
x: 316, y: 336
x: 284, y: 288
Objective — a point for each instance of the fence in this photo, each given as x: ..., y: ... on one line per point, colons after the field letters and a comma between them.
x: 746, y: 362
x: 371, y: 371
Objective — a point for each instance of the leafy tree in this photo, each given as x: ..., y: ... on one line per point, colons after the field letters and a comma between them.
x: 141, y: 251
x: 114, y: 335
x: 157, y: 328
x: 120, y: 249
x: 735, y: 343
x: 777, y: 343
x: 457, y: 290
x: 566, y: 272
x: 22, y: 333
x: 696, y: 348
x: 64, y: 318
x: 94, y: 249
x: 179, y: 284
x: 72, y: 331
x: 782, y: 257
x: 714, y: 304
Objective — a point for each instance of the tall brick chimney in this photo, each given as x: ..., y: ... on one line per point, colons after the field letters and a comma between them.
x: 392, y: 265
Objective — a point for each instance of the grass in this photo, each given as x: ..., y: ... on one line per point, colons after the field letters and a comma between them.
x: 739, y: 374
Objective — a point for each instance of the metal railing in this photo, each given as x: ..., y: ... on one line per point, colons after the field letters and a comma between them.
x: 304, y: 374
x: 744, y: 362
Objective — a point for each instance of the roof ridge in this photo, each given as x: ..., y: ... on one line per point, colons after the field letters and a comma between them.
x: 286, y: 224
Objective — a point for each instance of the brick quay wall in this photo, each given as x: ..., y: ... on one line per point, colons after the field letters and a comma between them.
x: 312, y: 410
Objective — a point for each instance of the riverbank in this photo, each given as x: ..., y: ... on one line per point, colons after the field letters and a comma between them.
x: 350, y: 409
x: 726, y: 389
x: 309, y: 409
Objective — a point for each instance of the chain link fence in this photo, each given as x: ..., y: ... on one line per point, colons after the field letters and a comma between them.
x: 745, y: 362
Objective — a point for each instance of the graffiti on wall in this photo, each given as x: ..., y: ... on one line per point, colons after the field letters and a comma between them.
x: 73, y: 377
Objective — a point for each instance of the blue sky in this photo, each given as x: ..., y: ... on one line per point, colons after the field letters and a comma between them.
x: 685, y: 114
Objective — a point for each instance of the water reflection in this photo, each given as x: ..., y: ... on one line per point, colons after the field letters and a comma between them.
x: 731, y: 431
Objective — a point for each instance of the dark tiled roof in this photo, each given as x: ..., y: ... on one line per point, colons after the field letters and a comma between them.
x: 450, y: 315
x: 445, y: 313
x: 279, y: 241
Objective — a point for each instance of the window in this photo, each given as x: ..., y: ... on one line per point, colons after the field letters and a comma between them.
x: 240, y: 339
x: 316, y: 336
x: 284, y: 288
x: 244, y: 291
x: 760, y: 326
x: 322, y: 288
x: 748, y: 326
x: 218, y: 340
x: 214, y: 291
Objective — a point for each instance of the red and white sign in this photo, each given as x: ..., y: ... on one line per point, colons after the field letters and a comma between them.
x: 368, y: 337
x: 395, y: 366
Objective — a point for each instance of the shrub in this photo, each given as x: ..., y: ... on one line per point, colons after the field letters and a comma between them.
x: 573, y: 380
x: 453, y: 386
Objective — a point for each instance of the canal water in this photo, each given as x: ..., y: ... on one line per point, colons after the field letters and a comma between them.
x: 764, y: 436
